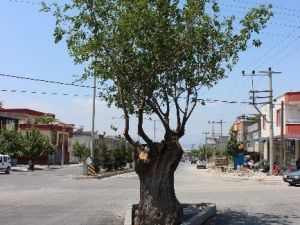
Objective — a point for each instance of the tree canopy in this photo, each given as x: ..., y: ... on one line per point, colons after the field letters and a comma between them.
x: 12, y: 143
x: 153, y: 57
x: 232, y: 147
x: 80, y: 151
x: 46, y: 119
x: 36, y: 144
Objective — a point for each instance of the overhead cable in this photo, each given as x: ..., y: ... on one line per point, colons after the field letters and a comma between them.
x: 78, y: 95
x: 259, y: 3
x: 44, y: 93
x: 46, y: 81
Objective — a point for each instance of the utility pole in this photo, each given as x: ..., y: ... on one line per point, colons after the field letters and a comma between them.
x: 221, y: 125
x: 212, y: 128
x: 206, y: 133
x: 63, y: 148
x: 93, y: 119
x: 282, y: 149
x: 268, y: 73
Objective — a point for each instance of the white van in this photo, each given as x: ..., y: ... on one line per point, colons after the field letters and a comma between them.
x: 5, y: 164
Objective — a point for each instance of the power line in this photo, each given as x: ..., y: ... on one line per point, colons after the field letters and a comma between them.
x: 279, y: 51
x: 46, y: 81
x: 228, y: 5
x: 259, y: 3
x: 248, y: 8
x: 278, y: 35
x: 224, y: 101
x: 268, y: 33
x: 44, y: 93
x: 78, y: 95
x: 274, y: 55
x: 28, y: 2
x: 272, y: 48
x: 277, y: 20
x: 285, y: 57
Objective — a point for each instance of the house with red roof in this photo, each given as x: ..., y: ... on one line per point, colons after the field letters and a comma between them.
x: 60, y: 134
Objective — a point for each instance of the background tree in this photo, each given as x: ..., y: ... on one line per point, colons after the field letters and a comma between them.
x: 80, y: 151
x: 36, y: 144
x: 12, y: 143
x: 45, y: 119
x: 219, y: 152
x: 105, y: 156
x: 129, y: 158
x: 233, y: 144
x: 119, y: 157
x: 194, y: 153
x: 152, y: 58
x: 207, y: 151
x: 107, y: 160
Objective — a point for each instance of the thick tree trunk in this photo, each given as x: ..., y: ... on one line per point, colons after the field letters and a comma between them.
x: 155, y: 167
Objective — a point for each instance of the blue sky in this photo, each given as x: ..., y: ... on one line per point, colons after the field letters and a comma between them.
x: 27, y: 49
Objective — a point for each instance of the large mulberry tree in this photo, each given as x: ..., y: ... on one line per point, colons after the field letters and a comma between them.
x: 153, y: 57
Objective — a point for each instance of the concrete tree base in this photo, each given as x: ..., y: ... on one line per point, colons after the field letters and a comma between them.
x: 193, y: 214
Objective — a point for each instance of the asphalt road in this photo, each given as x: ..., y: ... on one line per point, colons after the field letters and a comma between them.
x: 56, y: 197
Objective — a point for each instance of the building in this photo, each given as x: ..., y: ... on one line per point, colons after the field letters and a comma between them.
x: 10, y: 121
x: 240, y: 127
x: 108, y: 142
x: 112, y: 142
x: 253, y: 137
x: 286, y: 123
x: 83, y: 138
x: 218, y: 142
x: 253, y: 145
x: 59, y: 134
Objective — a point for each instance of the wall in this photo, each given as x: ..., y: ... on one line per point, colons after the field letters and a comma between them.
x: 277, y: 106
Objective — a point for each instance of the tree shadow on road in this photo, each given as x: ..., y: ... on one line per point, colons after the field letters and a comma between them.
x: 242, y: 217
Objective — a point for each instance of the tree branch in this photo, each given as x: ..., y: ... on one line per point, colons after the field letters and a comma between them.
x: 156, y: 109
x: 184, y: 117
x: 126, y: 129
x: 141, y: 131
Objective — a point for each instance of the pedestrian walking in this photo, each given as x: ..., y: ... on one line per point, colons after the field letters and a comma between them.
x: 30, y: 165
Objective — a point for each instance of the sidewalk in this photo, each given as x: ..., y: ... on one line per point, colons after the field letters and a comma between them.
x: 24, y: 168
x: 245, y: 174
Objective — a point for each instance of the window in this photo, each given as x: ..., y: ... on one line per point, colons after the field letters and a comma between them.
x: 278, y: 118
x: 0, y: 159
x: 5, y: 159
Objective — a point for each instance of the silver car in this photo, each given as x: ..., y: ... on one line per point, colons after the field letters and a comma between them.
x: 201, y: 164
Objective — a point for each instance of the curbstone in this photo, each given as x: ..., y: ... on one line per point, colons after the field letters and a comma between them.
x: 194, y: 214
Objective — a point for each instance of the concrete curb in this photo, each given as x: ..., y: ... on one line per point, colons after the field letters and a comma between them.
x: 101, y: 176
x: 128, y: 215
x: 24, y: 168
x: 114, y: 174
x: 204, y: 211
x: 203, y: 215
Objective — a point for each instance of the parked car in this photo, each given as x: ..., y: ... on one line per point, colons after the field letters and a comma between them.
x: 201, y: 164
x: 292, y: 178
x: 193, y: 160
x: 5, y: 164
